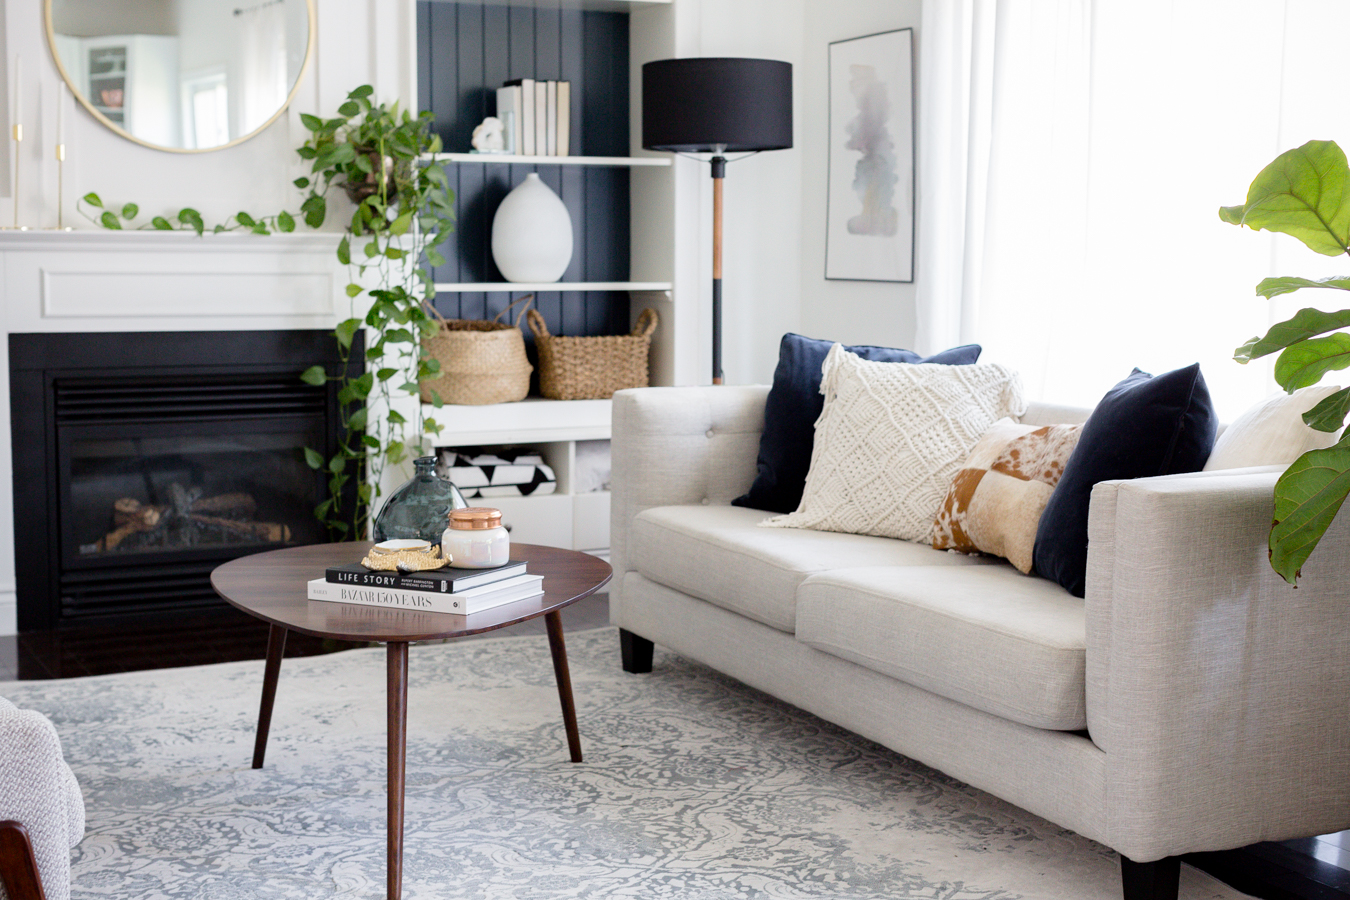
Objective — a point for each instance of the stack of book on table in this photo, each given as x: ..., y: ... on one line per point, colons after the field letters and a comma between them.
x: 458, y: 591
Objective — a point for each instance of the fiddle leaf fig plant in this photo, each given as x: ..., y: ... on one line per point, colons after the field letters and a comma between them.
x: 1305, y: 193
x: 403, y: 208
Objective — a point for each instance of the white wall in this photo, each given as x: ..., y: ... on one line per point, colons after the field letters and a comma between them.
x: 855, y: 312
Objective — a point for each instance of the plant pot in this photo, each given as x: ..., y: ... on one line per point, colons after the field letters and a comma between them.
x: 358, y: 191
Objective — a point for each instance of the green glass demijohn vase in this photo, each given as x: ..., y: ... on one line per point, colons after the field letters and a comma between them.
x: 420, y: 508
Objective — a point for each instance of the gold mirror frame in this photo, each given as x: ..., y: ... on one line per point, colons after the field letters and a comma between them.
x: 119, y: 130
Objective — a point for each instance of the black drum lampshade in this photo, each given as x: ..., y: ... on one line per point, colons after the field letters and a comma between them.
x: 717, y: 105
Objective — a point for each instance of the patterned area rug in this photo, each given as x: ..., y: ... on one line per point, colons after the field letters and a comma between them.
x: 693, y: 787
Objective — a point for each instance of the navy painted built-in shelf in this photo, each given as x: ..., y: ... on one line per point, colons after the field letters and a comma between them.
x: 466, y: 50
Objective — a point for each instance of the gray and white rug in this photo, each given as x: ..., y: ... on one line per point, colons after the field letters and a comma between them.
x: 693, y: 787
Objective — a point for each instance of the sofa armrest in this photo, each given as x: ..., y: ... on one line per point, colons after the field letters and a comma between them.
x: 1217, y: 691
x: 38, y: 790
x: 679, y: 445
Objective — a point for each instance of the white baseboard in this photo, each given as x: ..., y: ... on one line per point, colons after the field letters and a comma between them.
x: 9, y: 613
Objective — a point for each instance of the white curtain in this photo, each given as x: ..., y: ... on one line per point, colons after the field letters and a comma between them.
x: 1072, y: 159
x: 261, y: 35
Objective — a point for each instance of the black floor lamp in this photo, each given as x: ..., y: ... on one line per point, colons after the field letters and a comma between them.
x: 717, y: 105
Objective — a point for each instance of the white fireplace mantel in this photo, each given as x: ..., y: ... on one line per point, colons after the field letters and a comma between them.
x: 110, y: 281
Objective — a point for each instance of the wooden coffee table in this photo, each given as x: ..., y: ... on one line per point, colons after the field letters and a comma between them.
x: 272, y: 587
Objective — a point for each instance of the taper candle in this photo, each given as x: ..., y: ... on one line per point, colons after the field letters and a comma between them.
x: 61, y: 115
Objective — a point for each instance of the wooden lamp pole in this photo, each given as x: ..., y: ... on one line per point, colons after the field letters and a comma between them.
x: 719, y: 173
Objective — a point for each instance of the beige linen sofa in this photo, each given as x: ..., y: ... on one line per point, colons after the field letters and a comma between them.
x: 1193, y: 701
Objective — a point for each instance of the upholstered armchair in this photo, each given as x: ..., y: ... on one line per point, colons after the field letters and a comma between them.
x: 41, y: 810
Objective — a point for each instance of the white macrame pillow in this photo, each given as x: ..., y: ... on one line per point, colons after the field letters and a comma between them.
x: 890, y: 438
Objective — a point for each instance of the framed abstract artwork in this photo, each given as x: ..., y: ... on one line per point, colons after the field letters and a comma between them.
x: 869, y: 220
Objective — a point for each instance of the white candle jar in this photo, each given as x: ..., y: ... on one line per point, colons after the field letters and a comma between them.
x: 476, y: 539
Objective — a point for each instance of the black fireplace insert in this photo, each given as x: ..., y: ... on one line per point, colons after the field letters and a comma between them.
x: 144, y: 460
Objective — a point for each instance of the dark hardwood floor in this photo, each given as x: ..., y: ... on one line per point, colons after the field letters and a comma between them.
x: 1316, y: 868
x: 224, y: 636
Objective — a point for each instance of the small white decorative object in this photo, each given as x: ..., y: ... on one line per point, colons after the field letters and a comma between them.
x: 532, y: 234
x: 490, y: 136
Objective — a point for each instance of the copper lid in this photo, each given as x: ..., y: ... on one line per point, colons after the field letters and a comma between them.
x: 475, y: 518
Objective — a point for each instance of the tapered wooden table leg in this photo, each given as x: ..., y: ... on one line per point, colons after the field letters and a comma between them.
x: 398, y: 754
x: 276, y: 647
x: 569, y: 710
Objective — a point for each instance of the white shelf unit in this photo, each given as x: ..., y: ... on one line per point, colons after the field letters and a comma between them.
x: 512, y: 159
x: 566, y: 518
x: 540, y: 286
x: 660, y: 265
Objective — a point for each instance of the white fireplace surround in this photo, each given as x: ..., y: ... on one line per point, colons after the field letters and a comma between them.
x: 90, y: 281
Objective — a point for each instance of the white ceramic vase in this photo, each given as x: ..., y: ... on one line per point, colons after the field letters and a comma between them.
x: 532, y: 233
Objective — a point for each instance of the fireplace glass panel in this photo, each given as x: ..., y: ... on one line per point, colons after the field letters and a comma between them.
x: 137, y: 495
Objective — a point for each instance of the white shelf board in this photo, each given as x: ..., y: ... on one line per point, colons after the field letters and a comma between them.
x: 597, y: 5
x: 446, y: 287
x: 509, y: 159
x: 532, y: 420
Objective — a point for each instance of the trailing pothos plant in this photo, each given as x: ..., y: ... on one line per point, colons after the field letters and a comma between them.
x: 1305, y: 193
x: 403, y: 209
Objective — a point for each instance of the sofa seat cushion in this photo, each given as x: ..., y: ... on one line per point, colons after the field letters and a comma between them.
x: 717, y: 553
x: 985, y: 636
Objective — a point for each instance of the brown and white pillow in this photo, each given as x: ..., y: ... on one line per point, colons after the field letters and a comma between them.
x: 996, y: 498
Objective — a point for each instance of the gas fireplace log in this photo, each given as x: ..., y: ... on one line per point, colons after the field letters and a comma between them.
x: 130, y: 511
x: 264, y: 531
x: 231, y: 506
x: 145, y: 518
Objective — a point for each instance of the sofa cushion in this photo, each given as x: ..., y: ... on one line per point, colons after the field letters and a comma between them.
x: 793, y: 405
x: 717, y: 554
x: 985, y: 636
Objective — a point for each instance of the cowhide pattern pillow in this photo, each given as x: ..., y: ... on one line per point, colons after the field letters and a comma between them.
x: 997, y: 497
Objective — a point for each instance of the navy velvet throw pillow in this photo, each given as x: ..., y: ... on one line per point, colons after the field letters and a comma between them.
x: 794, y: 404
x: 1144, y: 426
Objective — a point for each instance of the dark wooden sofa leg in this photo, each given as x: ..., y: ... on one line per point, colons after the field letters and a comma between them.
x: 18, y: 867
x: 1157, y: 880
x: 636, y: 651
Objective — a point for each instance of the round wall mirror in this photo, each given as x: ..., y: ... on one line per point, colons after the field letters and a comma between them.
x: 182, y: 75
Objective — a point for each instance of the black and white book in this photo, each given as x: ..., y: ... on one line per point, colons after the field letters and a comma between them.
x: 463, y: 603
x: 448, y: 580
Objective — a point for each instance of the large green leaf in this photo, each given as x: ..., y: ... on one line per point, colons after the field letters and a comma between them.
x: 1304, y: 363
x: 1329, y: 414
x: 1306, y: 323
x: 1274, y: 287
x: 1307, y: 497
x: 1303, y: 193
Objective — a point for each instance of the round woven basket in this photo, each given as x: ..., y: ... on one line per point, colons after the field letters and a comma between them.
x: 590, y: 368
x: 481, y: 361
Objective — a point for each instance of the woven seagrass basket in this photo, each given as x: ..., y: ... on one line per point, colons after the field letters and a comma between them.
x: 592, y: 368
x: 481, y: 361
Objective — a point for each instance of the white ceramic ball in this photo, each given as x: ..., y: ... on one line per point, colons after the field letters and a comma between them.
x: 532, y: 234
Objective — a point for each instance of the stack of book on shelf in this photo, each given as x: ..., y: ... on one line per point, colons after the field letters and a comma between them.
x: 458, y: 591
x: 538, y: 116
